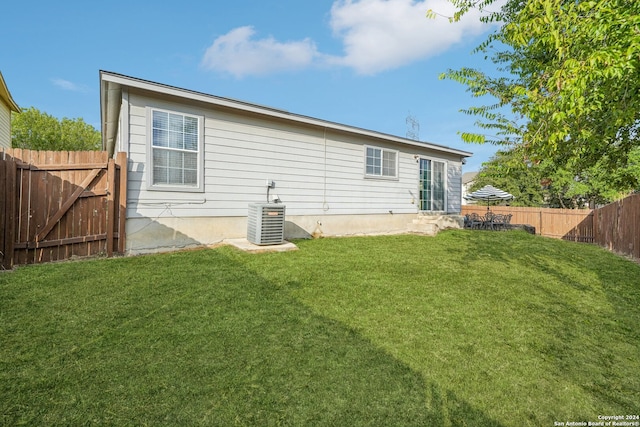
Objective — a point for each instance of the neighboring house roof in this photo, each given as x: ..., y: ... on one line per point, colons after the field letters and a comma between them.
x: 5, y: 95
x: 111, y: 91
x: 468, y: 177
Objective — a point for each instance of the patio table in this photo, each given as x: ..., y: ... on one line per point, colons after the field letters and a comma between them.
x: 498, y: 221
x: 491, y: 221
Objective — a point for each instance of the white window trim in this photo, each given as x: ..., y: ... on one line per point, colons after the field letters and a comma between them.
x: 176, y: 188
x: 382, y: 150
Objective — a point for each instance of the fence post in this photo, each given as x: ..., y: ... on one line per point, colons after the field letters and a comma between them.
x: 121, y: 161
x: 3, y: 204
x: 9, y: 206
x: 111, y: 210
x: 540, y: 222
x: 594, y: 225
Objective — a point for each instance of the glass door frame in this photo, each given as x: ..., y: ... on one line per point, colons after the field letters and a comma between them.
x: 436, y: 193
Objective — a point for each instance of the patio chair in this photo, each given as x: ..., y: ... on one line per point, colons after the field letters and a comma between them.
x: 475, y: 221
x: 499, y: 222
x: 507, y: 221
x: 489, y: 221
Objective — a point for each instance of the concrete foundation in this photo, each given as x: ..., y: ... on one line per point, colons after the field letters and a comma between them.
x: 147, y: 235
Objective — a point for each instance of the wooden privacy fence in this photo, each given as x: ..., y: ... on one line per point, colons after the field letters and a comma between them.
x: 568, y: 224
x: 615, y: 226
x: 56, y: 205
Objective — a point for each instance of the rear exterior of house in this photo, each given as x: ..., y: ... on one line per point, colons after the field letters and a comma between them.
x: 197, y: 161
x: 7, y: 105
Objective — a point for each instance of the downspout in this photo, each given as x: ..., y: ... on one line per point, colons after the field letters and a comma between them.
x: 110, y: 120
x: 325, y: 205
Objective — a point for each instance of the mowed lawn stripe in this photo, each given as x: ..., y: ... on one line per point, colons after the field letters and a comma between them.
x: 465, y: 328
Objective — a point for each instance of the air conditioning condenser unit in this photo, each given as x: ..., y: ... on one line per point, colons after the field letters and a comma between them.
x: 265, y: 223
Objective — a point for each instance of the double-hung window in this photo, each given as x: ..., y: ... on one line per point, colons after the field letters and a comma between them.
x: 381, y: 162
x: 175, y: 151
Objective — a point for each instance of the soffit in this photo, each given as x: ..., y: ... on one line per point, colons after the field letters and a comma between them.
x: 227, y: 103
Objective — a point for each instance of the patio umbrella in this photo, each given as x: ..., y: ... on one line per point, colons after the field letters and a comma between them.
x: 489, y: 193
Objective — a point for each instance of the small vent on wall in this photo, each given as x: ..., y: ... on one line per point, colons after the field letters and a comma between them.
x: 265, y: 223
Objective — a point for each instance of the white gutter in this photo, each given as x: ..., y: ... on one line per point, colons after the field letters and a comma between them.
x: 119, y: 80
x: 6, y: 96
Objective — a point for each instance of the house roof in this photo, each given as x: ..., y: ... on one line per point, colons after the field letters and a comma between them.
x: 111, y: 85
x: 467, y: 177
x: 5, y: 95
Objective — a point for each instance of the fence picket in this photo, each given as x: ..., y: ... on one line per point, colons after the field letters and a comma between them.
x: 615, y: 226
x: 54, y: 206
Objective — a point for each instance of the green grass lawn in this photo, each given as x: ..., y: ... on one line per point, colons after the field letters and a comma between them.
x: 465, y: 328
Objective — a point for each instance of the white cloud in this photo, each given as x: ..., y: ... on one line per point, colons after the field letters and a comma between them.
x: 239, y: 54
x: 67, y: 85
x: 377, y: 35
x: 383, y: 34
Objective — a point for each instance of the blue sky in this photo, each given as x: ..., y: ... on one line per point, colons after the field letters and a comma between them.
x: 365, y: 63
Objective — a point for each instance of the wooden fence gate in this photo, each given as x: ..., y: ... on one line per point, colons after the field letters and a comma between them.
x: 57, y: 205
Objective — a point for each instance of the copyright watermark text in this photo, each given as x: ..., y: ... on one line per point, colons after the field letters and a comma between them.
x: 604, y: 421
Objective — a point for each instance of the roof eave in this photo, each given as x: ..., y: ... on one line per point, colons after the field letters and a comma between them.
x: 123, y: 80
x: 6, y: 95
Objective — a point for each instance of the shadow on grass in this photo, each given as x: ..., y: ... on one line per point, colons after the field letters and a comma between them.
x: 194, y: 339
x: 587, y: 300
x: 529, y: 329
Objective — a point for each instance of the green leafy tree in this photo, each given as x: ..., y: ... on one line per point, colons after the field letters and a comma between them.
x: 602, y: 185
x: 510, y: 171
x: 566, y: 84
x: 35, y: 130
x: 547, y: 183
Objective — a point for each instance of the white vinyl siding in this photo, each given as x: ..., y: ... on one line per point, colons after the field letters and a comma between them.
x: 454, y: 186
x: 175, y: 151
x: 316, y: 171
x: 5, y: 125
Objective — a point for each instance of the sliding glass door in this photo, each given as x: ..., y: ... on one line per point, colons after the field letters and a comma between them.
x: 432, y: 185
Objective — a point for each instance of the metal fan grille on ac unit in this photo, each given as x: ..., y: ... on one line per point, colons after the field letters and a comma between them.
x: 265, y: 223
